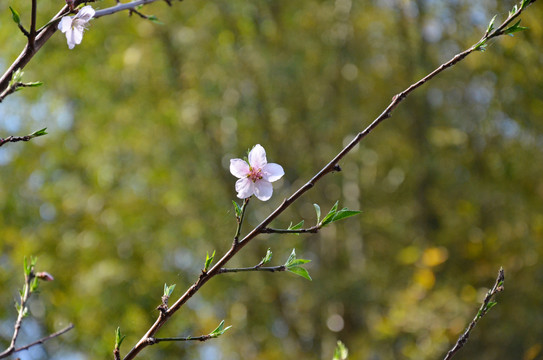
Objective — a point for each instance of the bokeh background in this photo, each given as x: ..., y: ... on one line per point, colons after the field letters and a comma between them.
x: 131, y: 187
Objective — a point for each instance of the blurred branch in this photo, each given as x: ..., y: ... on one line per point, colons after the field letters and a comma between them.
x: 30, y: 286
x: 485, y: 307
x: 330, y: 167
x: 37, y: 38
x: 254, y: 268
x: 23, y: 138
x: 46, y: 338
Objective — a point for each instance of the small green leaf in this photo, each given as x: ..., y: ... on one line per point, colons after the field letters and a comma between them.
x: 297, y: 226
x: 15, y: 16
x: 39, y: 133
x: 490, y: 305
x: 328, y: 218
x: 345, y: 213
x: 341, y: 352
x: 491, y: 24
x: 514, y: 28
x: 318, y: 211
x: 219, y: 330
x: 118, y: 338
x: 293, y: 265
x: 298, y: 270
x: 33, y: 84
x: 168, y: 290
x: 16, y: 77
x: 34, y: 285
x: 237, y: 209
x: 154, y: 19
x: 267, y: 258
x: 513, y: 10
x: 291, y: 257
x: 209, y: 260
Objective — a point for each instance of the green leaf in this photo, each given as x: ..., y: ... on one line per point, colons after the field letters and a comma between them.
x: 237, y: 209
x: 267, y: 258
x: 168, y: 290
x: 154, y: 19
x: 293, y: 265
x: 298, y: 270
x: 219, y: 330
x: 15, y: 16
x: 491, y: 24
x: 345, y: 213
x: 490, y: 305
x: 513, y: 10
x: 291, y: 257
x: 514, y: 28
x: 34, y: 285
x: 341, y: 352
x: 33, y: 84
x: 318, y: 211
x: 297, y: 226
x: 39, y: 133
x: 330, y: 215
x: 209, y: 260
x: 118, y: 338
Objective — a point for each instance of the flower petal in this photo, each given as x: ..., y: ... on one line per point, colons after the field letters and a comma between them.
x: 245, y: 188
x: 239, y: 168
x: 85, y: 13
x: 272, y: 172
x: 65, y: 23
x: 257, y: 157
x: 263, y: 190
x: 76, y: 35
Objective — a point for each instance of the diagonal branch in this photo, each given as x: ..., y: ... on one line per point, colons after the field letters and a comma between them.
x: 330, y: 167
x: 485, y: 307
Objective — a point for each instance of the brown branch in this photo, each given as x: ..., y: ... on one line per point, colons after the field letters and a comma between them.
x: 22, y: 138
x: 312, y: 230
x: 330, y: 167
x: 254, y: 268
x: 485, y: 307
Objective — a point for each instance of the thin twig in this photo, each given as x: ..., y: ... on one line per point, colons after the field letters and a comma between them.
x: 22, y: 311
x: 23, y: 138
x: 254, y: 268
x: 330, y: 167
x: 485, y: 307
x: 153, y: 341
x: 46, y: 338
x: 312, y: 230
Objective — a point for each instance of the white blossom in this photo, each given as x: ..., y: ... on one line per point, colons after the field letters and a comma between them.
x: 73, y: 26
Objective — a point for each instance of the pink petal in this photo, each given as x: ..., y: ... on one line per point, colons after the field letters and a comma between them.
x: 239, y: 168
x: 245, y: 188
x: 257, y: 157
x: 263, y: 190
x: 272, y: 172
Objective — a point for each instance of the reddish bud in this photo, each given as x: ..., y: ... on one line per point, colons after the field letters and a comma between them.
x: 45, y: 276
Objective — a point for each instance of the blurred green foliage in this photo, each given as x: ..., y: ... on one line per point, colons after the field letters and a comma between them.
x: 130, y: 189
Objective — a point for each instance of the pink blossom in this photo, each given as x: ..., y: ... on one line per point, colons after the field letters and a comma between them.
x: 256, y: 176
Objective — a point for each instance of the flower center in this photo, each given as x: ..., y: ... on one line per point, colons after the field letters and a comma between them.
x: 254, y: 174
